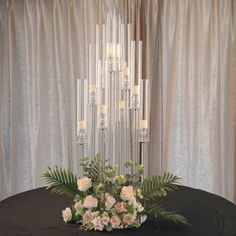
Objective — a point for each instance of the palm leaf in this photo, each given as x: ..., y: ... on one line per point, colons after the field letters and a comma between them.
x: 160, y: 213
x: 60, y: 181
x: 157, y: 186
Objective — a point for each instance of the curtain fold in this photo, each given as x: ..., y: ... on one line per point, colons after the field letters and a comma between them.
x: 190, y: 49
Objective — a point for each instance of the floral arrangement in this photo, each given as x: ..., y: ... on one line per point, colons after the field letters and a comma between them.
x: 106, y: 201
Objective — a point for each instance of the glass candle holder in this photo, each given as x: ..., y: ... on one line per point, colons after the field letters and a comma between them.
x: 143, y: 135
x: 81, y: 137
x: 102, y: 121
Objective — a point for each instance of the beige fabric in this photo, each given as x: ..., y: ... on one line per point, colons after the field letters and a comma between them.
x: 190, y: 58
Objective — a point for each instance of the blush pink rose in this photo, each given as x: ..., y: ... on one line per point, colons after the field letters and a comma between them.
x: 115, y: 221
x: 120, y: 207
x: 110, y: 201
x: 90, y: 202
x: 87, y: 217
x: 97, y: 222
x: 128, y: 219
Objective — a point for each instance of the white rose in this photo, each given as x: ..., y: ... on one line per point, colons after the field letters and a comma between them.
x: 84, y: 184
x: 127, y: 193
x: 67, y: 215
x: 78, y: 207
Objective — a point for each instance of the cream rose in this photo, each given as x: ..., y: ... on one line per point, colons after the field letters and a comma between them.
x: 84, y: 184
x: 127, y: 193
x: 90, y: 202
x: 67, y: 215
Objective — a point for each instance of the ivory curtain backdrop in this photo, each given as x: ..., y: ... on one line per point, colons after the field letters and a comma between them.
x: 190, y: 57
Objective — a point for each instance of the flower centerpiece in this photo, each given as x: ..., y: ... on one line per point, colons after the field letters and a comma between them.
x: 106, y: 201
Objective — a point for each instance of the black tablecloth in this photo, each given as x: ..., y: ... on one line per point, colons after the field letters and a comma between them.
x: 38, y: 213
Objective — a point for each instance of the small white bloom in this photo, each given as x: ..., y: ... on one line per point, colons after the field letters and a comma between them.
x: 78, y: 207
x: 67, y: 215
x: 143, y: 219
x: 84, y: 184
x: 140, y: 208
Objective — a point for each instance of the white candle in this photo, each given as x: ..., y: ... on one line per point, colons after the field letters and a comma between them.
x: 111, y: 50
x: 81, y: 125
x: 78, y: 108
x: 102, y: 109
x: 135, y: 90
x: 126, y: 71
x: 118, y: 50
x: 92, y: 88
x: 122, y: 104
x: 143, y: 124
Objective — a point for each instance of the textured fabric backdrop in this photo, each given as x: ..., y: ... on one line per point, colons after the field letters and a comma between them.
x: 190, y: 57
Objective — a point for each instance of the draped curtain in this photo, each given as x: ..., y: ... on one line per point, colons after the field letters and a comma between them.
x: 190, y: 56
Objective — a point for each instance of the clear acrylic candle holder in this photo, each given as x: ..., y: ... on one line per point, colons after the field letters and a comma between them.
x: 135, y: 102
x: 102, y: 121
x: 143, y: 135
x: 81, y: 137
x: 92, y: 99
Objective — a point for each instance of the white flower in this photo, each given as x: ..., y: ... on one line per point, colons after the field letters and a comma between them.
x: 67, y: 215
x: 110, y: 201
x: 127, y: 193
x: 143, y: 219
x: 78, y: 207
x: 90, y: 202
x: 139, y: 207
x: 97, y: 222
x: 84, y: 184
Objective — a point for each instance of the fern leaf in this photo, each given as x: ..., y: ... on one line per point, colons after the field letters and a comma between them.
x: 160, y: 213
x: 157, y: 186
x: 60, y: 181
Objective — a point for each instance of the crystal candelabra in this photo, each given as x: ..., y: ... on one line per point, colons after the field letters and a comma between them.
x: 113, y: 103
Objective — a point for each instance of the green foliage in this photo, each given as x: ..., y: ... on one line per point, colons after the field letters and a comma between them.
x: 158, y: 186
x: 160, y: 213
x: 60, y: 181
x: 104, y: 179
x: 94, y: 169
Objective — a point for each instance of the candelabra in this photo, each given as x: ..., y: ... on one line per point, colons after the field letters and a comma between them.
x: 113, y: 102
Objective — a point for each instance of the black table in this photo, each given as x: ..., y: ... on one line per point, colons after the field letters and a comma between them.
x: 38, y: 213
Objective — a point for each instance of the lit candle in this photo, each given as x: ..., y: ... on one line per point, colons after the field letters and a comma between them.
x: 111, y: 50
x: 92, y: 88
x: 82, y: 124
x: 122, y: 104
x: 143, y: 124
x: 102, y: 109
x: 118, y: 50
x: 135, y: 90
x: 126, y: 71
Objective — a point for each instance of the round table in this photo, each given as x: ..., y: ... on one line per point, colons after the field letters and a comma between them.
x: 38, y: 213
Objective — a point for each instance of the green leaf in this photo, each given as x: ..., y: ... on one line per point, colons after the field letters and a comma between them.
x: 157, y: 186
x: 60, y: 181
x: 160, y: 213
